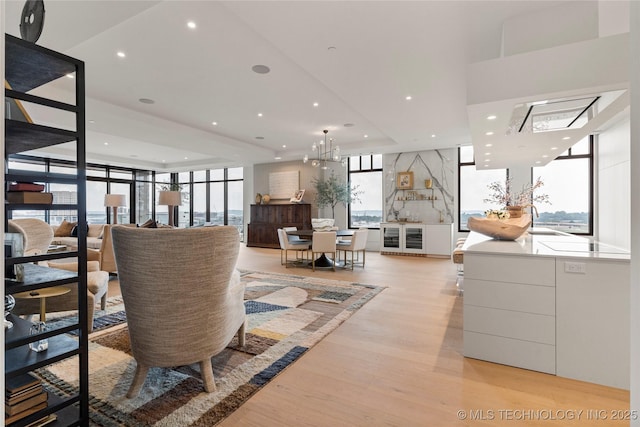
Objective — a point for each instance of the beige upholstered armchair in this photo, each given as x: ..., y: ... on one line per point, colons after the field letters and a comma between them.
x: 37, y: 234
x: 357, y: 244
x: 97, y: 287
x: 182, y: 294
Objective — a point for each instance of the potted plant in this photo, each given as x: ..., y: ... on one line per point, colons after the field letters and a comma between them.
x: 331, y: 191
x: 515, y: 201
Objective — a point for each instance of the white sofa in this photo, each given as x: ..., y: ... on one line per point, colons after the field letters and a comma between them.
x: 94, y: 238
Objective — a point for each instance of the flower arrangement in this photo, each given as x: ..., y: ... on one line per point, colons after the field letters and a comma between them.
x: 496, y: 214
x: 503, y: 195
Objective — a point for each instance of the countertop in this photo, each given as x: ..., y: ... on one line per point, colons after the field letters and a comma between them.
x: 546, y: 243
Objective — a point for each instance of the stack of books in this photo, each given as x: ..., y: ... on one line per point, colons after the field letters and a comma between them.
x: 24, y: 395
x: 28, y: 192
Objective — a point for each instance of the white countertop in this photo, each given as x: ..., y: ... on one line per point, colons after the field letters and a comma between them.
x: 547, y: 243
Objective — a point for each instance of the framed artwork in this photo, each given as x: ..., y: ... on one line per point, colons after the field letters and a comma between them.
x: 297, y: 198
x: 404, y: 181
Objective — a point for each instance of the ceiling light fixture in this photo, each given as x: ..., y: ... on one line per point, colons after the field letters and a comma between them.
x: 408, y: 98
x: 284, y: 146
x: 325, y: 153
x: 191, y: 25
x: 260, y: 69
x: 259, y: 114
x: 433, y: 135
x: 492, y: 117
x: 106, y: 143
x: 488, y: 145
x: 315, y: 104
x: 566, y: 138
x: 366, y: 136
x: 554, y: 148
x: 214, y: 123
x: 121, y: 54
x: 489, y: 133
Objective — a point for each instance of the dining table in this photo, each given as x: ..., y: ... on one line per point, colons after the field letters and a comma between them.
x: 322, y: 261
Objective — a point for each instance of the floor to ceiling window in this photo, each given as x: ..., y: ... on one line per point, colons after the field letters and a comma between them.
x: 472, y: 186
x: 365, y: 175
x: 208, y: 196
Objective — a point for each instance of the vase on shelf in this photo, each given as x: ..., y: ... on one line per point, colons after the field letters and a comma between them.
x: 514, y: 211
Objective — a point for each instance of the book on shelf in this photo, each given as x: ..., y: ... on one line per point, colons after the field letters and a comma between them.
x: 28, y: 403
x: 23, y: 394
x: 20, y: 415
x: 13, y: 385
x: 29, y: 197
x: 26, y: 186
x: 43, y: 421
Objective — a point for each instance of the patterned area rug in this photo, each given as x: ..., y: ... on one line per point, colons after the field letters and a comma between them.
x: 287, y: 316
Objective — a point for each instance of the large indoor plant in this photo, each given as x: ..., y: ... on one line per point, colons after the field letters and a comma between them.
x: 332, y: 190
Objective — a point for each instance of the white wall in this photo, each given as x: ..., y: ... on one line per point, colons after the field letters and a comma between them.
x: 635, y: 209
x: 613, y: 186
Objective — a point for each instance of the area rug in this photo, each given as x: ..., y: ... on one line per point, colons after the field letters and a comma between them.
x: 287, y: 316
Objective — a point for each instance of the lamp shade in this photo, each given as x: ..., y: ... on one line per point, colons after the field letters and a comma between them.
x: 115, y: 200
x: 170, y: 198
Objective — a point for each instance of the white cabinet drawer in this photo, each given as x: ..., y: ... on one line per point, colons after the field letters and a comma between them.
x: 510, y: 296
x: 508, y: 351
x: 510, y: 324
x: 512, y: 269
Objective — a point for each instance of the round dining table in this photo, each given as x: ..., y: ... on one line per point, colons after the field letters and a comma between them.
x: 322, y: 261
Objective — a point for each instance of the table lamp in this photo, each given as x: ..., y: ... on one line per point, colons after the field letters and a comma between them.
x: 114, y: 201
x: 170, y: 199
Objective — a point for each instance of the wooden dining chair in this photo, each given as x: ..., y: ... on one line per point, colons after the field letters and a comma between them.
x: 324, y: 242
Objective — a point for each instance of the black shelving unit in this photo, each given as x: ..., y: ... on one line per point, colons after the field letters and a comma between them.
x: 29, y: 66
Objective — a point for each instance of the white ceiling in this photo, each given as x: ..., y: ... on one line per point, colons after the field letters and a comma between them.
x: 357, y: 59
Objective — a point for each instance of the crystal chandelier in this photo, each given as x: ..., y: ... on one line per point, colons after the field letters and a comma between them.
x: 325, y: 152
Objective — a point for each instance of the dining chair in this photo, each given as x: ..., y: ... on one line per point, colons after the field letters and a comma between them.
x: 324, y: 242
x: 357, y: 244
x: 286, y: 245
x: 292, y: 238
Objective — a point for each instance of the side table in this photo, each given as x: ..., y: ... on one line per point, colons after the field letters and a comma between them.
x: 43, y: 294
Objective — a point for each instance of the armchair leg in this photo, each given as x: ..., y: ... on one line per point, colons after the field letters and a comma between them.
x: 138, y: 380
x: 241, y: 333
x: 206, y: 370
x: 103, y: 301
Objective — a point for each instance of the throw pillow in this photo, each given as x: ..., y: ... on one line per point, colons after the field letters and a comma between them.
x: 74, y: 230
x: 149, y: 224
x: 64, y: 229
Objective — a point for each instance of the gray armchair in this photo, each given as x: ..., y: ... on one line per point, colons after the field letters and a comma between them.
x: 183, y: 297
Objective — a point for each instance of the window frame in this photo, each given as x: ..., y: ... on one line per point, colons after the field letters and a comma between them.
x: 358, y: 171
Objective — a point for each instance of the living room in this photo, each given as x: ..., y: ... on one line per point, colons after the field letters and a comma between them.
x: 188, y: 132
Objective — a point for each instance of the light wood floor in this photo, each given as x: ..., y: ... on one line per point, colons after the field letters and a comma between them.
x: 398, y: 362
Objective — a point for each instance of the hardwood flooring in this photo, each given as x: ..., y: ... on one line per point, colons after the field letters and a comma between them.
x: 398, y: 362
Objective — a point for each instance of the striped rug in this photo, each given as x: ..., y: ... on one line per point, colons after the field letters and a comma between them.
x: 287, y: 316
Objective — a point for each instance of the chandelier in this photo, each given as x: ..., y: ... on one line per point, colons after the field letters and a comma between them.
x: 325, y: 152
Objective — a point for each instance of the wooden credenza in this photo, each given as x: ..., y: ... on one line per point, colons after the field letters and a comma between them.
x: 266, y: 219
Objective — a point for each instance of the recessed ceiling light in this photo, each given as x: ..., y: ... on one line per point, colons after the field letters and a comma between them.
x: 259, y: 137
x: 71, y: 76
x: 487, y: 160
x: 554, y: 148
x: 348, y: 125
x: 191, y: 24
x: 147, y: 101
x: 106, y: 143
x: 488, y: 145
x: 164, y: 161
x: 489, y: 133
x: 331, y: 48
x: 186, y: 158
x: 214, y: 123
x: 408, y: 98
x: 544, y: 156
x: 491, y: 117
x: 486, y: 166
x: 277, y: 158
x: 365, y: 136
x: 284, y: 145
x: 538, y: 162
x: 566, y: 138
x: 121, y: 54
x: 259, y: 114
x: 433, y: 135
x: 92, y: 121
x: 315, y: 104
x: 487, y: 154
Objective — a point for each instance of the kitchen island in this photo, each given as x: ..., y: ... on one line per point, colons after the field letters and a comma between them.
x: 550, y: 302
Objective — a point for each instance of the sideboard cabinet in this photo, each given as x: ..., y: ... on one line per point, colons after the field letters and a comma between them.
x: 266, y: 219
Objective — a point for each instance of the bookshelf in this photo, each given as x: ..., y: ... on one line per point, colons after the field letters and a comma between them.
x: 29, y: 66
